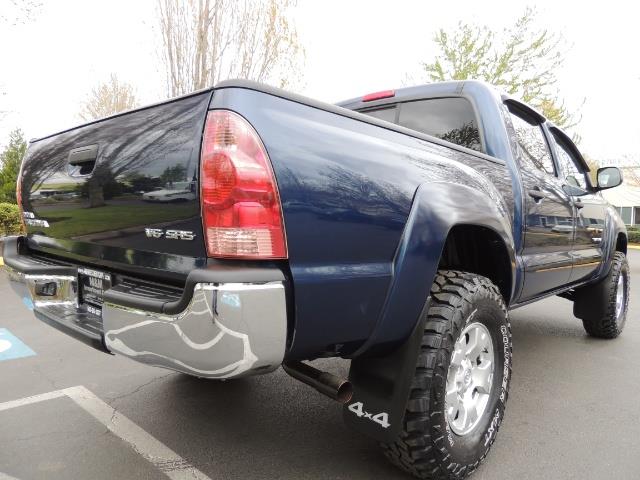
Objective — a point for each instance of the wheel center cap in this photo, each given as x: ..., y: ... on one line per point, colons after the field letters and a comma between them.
x: 467, y: 377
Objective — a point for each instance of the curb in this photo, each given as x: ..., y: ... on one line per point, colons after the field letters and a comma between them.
x: 634, y: 246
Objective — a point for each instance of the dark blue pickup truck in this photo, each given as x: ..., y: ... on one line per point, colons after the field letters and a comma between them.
x: 241, y: 228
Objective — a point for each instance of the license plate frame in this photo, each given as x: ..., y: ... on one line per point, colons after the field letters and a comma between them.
x: 92, y: 284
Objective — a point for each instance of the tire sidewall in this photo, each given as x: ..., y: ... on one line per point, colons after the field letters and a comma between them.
x: 473, y: 446
x: 626, y: 285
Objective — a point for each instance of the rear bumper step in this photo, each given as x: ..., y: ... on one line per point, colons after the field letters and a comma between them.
x: 221, y: 329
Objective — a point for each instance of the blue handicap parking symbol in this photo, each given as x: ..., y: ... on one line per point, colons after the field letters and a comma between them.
x: 11, y: 347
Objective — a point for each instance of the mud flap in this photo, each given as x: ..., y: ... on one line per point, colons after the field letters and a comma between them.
x: 381, y: 387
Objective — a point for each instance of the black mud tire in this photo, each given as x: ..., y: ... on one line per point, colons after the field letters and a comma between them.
x: 595, y: 304
x: 426, y: 446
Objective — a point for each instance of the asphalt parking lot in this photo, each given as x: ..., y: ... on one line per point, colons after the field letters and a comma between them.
x: 572, y: 413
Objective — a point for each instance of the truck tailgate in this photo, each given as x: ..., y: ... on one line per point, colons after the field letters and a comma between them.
x: 122, y: 191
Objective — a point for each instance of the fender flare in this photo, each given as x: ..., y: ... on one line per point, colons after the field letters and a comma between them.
x: 437, y: 207
x: 613, y: 226
x: 379, y: 369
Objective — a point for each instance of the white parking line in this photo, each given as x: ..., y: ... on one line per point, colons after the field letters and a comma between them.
x: 4, y: 476
x: 29, y: 400
x: 166, y: 460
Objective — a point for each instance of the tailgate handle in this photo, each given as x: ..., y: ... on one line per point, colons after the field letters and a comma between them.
x: 83, y: 157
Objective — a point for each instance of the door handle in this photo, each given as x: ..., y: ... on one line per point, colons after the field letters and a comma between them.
x: 81, y: 155
x: 536, y: 194
x: 82, y: 160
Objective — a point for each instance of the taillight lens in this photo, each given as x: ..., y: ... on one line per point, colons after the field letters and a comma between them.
x: 19, y: 197
x: 241, y: 208
x: 19, y: 192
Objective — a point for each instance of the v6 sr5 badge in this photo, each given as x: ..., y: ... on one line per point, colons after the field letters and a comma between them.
x: 169, y: 234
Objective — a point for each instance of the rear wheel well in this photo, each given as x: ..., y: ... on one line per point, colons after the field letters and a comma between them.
x: 621, y: 243
x: 477, y: 249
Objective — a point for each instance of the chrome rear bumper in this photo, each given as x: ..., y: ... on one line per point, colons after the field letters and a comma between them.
x: 226, y: 330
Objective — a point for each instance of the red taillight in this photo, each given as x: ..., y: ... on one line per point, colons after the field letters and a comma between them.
x: 379, y: 95
x: 241, y: 209
x: 19, y: 192
x: 19, y: 197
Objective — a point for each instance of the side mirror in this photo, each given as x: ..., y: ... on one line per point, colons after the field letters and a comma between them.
x: 609, y: 177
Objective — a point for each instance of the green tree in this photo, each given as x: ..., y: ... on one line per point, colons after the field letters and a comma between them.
x: 10, y: 223
x: 10, y: 159
x: 521, y: 60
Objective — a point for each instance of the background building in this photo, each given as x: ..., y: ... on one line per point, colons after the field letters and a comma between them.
x: 626, y: 199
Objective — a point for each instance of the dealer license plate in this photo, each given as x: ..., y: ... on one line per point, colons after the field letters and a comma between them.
x: 93, y: 284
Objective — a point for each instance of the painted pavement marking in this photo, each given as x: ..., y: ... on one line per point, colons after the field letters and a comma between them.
x: 162, y: 457
x: 12, y: 347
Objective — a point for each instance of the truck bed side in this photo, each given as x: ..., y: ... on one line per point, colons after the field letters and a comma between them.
x: 348, y: 184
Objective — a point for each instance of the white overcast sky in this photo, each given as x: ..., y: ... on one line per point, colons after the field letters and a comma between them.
x: 49, y: 64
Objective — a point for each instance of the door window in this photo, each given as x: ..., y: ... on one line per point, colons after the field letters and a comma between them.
x: 532, y: 144
x: 569, y: 167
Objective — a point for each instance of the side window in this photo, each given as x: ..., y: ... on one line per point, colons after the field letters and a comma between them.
x: 386, y: 114
x: 452, y: 119
x: 532, y: 144
x: 569, y: 169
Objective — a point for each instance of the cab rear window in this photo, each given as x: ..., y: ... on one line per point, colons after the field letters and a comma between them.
x: 452, y: 119
x: 386, y: 114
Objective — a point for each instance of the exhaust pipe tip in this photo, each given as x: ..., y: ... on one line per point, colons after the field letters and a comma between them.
x: 332, y: 386
x: 344, y: 394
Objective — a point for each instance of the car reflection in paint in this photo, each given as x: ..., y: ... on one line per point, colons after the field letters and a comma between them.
x: 172, y: 192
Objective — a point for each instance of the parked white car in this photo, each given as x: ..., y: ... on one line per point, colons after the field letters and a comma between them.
x: 175, y: 192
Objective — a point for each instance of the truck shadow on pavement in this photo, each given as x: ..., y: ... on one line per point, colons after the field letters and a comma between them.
x: 258, y: 427
x: 275, y: 427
